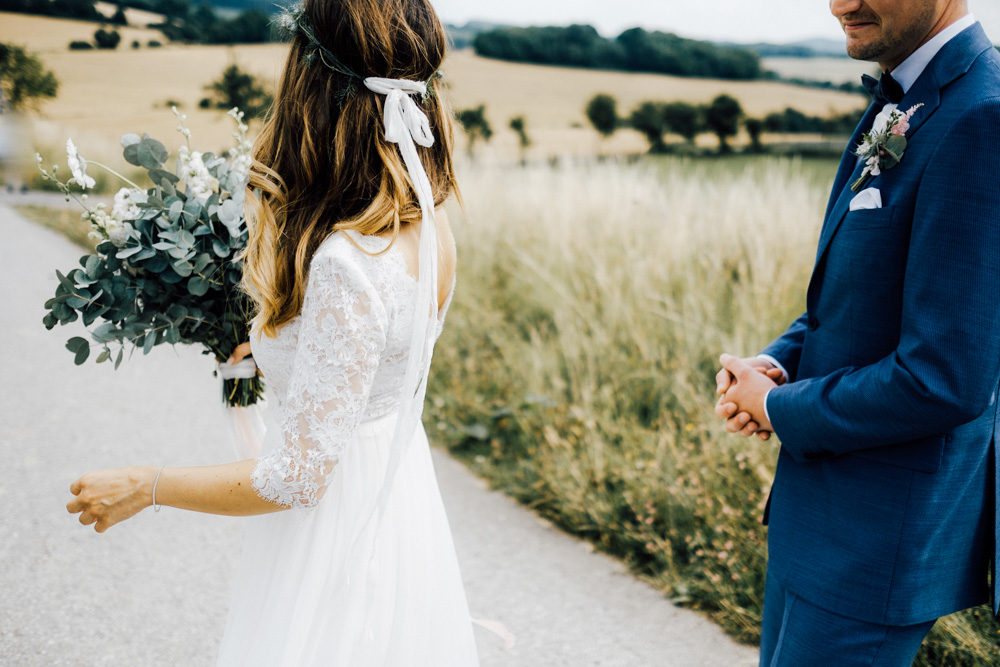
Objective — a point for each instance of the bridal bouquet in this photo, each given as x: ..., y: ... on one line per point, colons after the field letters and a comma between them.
x: 165, y: 267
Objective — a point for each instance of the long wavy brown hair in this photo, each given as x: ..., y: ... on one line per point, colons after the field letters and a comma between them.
x: 321, y: 162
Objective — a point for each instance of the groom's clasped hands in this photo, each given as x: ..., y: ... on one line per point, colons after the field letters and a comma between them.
x: 742, y: 385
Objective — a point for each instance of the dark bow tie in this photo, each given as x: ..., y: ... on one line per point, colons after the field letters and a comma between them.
x: 884, y: 90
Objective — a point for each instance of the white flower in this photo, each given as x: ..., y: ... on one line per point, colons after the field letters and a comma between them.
x: 874, y: 168
x: 125, y: 206
x: 199, y: 182
x: 78, y: 166
x: 120, y: 235
x: 105, y: 226
x: 239, y: 170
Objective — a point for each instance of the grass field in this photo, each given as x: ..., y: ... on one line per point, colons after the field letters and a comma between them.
x: 577, y: 368
x: 106, y: 94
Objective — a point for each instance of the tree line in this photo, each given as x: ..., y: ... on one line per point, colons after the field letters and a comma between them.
x: 183, y: 21
x: 723, y: 117
x: 72, y: 9
x: 200, y: 24
x: 634, y: 50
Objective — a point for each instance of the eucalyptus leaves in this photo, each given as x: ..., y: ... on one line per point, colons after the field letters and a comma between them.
x: 165, y: 267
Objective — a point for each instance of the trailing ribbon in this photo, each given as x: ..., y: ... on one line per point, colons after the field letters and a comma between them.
x: 407, y: 125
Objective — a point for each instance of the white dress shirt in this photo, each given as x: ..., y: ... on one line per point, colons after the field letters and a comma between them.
x: 906, y: 74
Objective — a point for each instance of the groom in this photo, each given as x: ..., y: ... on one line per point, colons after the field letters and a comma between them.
x: 882, y: 511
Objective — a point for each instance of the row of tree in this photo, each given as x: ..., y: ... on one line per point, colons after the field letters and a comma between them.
x: 202, y: 25
x: 635, y: 50
x: 477, y: 128
x: 73, y: 9
x: 183, y: 22
x: 103, y: 39
x: 723, y: 117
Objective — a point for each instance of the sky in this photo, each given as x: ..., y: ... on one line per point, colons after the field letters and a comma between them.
x: 776, y: 21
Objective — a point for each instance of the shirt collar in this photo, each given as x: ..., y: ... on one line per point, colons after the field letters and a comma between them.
x: 910, y: 70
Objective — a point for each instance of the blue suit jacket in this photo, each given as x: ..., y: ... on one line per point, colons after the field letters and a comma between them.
x: 883, y: 503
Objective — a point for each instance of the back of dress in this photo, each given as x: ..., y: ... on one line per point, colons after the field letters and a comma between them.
x: 324, y: 584
x: 341, y: 362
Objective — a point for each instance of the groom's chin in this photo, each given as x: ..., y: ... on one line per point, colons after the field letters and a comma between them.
x: 865, y: 50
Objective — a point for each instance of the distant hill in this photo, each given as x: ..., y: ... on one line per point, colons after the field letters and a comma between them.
x: 267, y: 6
x: 463, y: 36
x: 460, y: 36
x: 806, y: 48
x: 825, y: 47
x: 635, y: 50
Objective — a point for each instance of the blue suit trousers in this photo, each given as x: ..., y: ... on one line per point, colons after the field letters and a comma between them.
x: 797, y: 633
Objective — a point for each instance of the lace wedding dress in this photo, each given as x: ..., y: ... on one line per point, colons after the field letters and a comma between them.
x: 322, y: 583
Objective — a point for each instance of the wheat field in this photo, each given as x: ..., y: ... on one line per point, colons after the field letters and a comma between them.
x: 834, y: 70
x: 106, y: 94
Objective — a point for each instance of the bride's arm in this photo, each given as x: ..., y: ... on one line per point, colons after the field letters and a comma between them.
x: 340, y: 341
x: 108, y: 497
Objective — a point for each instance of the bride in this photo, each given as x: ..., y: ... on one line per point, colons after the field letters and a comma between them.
x: 349, y: 560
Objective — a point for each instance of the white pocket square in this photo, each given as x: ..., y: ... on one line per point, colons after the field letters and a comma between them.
x: 867, y: 199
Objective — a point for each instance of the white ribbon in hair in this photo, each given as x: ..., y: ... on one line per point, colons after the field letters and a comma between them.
x: 407, y: 126
x: 402, y: 115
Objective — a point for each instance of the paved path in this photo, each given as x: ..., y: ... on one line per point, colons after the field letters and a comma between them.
x: 154, y: 591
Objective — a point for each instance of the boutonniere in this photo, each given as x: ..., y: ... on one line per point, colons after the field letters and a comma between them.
x: 883, y: 147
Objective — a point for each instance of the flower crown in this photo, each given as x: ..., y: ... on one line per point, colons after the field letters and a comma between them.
x: 293, y: 21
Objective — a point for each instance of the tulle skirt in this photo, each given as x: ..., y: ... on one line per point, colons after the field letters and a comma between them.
x: 323, y: 587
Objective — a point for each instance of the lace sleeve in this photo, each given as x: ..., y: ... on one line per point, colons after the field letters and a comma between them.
x: 342, y: 335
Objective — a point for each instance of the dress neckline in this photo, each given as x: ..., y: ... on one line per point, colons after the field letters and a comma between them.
x: 392, y: 249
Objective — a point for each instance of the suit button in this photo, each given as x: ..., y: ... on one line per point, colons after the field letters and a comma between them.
x: 813, y: 324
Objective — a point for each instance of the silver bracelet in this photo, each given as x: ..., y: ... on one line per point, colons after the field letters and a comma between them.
x: 156, y: 508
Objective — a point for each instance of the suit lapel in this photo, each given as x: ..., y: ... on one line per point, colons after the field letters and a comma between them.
x: 850, y: 171
x: 849, y: 160
x: 953, y: 61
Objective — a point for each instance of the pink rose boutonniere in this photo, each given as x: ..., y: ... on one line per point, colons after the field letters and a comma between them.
x: 882, y: 148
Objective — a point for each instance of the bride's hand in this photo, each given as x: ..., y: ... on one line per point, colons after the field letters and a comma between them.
x: 240, y: 353
x: 107, y: 497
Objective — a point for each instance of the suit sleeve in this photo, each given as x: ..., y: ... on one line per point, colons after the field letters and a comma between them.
x: 787, y: 350
x: 944, y: 371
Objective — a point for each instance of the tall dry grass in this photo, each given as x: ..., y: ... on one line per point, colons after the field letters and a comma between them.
x: 576, y: 371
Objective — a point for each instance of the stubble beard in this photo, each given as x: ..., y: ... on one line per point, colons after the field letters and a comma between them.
x: 905, y: 40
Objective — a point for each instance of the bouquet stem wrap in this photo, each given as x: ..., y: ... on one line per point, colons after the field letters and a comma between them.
x: 244, y: 420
